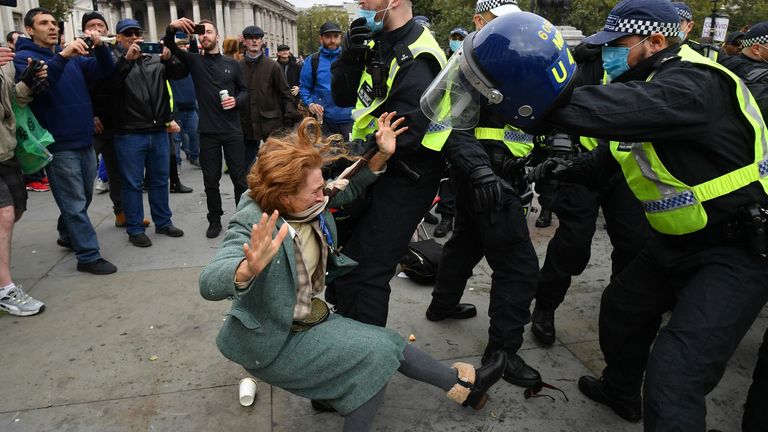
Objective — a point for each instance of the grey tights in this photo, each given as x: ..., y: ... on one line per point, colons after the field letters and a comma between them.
x: 416, y: 364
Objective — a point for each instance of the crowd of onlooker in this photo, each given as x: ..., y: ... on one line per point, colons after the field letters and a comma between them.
x: 125, y: 113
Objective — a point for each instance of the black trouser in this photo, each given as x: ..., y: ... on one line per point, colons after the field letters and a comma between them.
x: 568, y: 252
x: 104, y: 145
x: 756, y: 408
x: 447, y: 204
x: 174, y: 169
x: 502, y: 237
x: 211, y: 146
x: 380, y: 239
x: 716, y: 292
x: 251, y: 150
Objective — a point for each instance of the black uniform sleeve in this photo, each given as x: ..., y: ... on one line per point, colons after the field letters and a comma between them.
x: 345, y: 77
x: 464, y: 152
x: 671, y: 106
x: 592, y: 169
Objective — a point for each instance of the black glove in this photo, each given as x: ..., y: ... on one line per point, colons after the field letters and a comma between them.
x: 487, y: 188
x: 549, y: 169
x: 28, y: 77
x: 354, y: 44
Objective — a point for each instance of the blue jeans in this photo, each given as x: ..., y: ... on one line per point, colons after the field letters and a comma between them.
x: 190, y: 141
x: 135, y: 152
x: 71, y: 174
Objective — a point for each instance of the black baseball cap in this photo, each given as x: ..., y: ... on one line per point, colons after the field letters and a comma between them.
x: 253, y: 31
x: 330, y: 27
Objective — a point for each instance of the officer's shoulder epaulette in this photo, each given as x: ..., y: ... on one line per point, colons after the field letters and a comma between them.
x: 402, y: 54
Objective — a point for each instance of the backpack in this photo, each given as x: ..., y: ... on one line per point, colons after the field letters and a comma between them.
x: 315, y: 62
x: 421, y: 261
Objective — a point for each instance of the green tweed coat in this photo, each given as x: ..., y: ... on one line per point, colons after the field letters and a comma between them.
x: 342, y: 361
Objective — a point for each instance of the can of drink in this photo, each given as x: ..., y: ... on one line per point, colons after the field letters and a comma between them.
x: 223, y: 94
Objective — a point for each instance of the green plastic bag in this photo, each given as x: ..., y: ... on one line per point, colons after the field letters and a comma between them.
x: 31, y: 141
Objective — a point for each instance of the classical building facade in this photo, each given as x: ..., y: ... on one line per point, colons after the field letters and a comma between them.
x: 12, y: 18
x: 276, y: 17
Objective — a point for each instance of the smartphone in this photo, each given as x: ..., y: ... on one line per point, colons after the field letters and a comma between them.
x: 151, y: 48
x: 199, y: 29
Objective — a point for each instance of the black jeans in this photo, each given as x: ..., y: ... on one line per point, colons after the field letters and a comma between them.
x: 569, y: 250
x: 715, y: 292
x: 447, y: 204
x: 755, y: 412
x: 502, y: 237
x: 380, y: 239
x: 104, y: 145
x: 211, y: 146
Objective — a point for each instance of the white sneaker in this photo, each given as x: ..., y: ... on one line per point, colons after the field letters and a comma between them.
x: 17, y: 302
x: 101, y: 186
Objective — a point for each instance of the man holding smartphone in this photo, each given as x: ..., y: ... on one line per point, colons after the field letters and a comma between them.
x: 142, y: 109
x: 220, y: 88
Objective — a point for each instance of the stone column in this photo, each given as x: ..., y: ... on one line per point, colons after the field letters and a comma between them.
x: 7, y: 19
x: 228, y: 19
x: 128, y: 12
x: 196, y: 11
x: 173, y: 11
x: 220, y: 19
x: 151, y: 22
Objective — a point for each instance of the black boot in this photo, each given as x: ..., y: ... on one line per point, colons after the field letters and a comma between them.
x: 473, y: 384
x: 444, y: 227
x: 179, y: 187
x: 430, y: 218
x: 543, y: 325
x: 630, y: 409
x: 545, y: 218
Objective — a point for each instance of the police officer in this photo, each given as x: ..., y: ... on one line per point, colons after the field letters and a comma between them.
x: 751, y: 65
x: 576, y: 205
x: 485, y: 162
x: 697, y: 167
x: 387, y: 61
x: 706, y: 258
x: 686, y: 26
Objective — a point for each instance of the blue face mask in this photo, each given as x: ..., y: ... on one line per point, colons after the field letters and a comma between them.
x: 615, y: 59
x: 370, y: 19
x: 455, y: 45
x: 681, y: 35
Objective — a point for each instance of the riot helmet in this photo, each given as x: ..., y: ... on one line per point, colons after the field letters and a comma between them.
x: 518, y: 66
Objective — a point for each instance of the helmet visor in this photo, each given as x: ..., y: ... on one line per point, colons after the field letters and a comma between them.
x: 451, y: 100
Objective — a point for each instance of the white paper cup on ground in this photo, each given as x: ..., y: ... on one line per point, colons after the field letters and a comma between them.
x: 247, y: 391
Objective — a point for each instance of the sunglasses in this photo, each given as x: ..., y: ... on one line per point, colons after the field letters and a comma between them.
x: 132, y: 33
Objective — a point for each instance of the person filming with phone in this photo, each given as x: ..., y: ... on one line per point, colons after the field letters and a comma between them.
x: 142, y: 109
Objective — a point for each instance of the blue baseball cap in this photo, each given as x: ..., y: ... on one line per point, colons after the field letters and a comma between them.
x: 127, y: 23
x: 459, y: 31
x: 638, y: 17
x: 683, y: 11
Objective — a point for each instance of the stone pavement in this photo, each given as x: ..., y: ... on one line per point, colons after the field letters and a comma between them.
x: 135, y: 351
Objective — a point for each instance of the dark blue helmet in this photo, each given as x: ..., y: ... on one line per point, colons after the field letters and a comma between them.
x: 518, y: 65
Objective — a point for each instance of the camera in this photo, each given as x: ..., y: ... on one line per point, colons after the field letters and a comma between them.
x: 88, y: 41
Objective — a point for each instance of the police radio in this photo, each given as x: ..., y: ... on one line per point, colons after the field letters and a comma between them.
x: 377, y: 71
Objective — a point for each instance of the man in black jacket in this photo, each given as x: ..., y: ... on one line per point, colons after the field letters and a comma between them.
x: 291, y: 70
x: 270, y: 104
x: 142, y: 109
x: 220, y: 89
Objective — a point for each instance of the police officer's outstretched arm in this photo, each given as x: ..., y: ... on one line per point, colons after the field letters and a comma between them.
x: 346, y: 71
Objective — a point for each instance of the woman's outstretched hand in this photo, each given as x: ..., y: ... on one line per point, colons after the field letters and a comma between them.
x: 386, y: 136
x: 263, y: 247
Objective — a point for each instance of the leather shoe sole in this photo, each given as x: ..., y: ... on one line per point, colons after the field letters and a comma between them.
x: 485, y: 377
x: 461, y: 311
x: 630, y: 410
